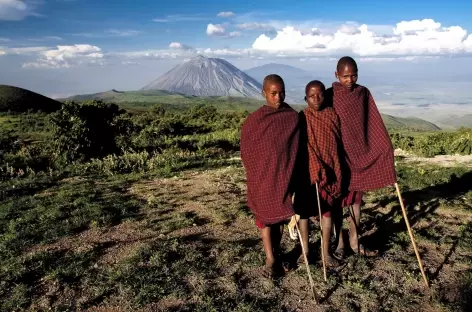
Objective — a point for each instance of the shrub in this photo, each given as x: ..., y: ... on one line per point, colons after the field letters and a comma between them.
x: 84, y: 131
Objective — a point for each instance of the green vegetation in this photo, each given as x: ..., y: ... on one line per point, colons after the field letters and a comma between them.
x: 432, y: 144
x: 144, y: 210
x: 139, y: 101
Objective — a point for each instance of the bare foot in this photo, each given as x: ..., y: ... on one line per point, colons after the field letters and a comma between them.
x: 330, y: 261
x: 301, y: 260
x: 353, y: 240
x: 363, y: 251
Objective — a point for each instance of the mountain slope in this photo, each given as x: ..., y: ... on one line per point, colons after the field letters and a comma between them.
x: 287, y: 72
x: 410, y: 123
x: 21, y: 100
x: 457, y: 121
x: 203, y: 76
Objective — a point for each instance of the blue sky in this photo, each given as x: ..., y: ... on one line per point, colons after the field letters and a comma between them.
x: 124, y: 25
x: 65, y: 47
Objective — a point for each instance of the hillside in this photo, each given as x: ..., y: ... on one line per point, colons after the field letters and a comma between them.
x: 202, y: 76
x: 21, y: 100
x: 408, y: 123
x: 455, y: 121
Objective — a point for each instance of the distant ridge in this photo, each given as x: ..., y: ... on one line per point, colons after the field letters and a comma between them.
x: 17, y: 99
x: 202, y: 76
x: 411, y: 123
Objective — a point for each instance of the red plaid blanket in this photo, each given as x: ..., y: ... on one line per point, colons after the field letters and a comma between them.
x: 269, y: 144
x: 368, y: 148
x: 324, y: 147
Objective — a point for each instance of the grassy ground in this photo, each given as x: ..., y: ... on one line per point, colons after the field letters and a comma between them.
x: 189, y: 243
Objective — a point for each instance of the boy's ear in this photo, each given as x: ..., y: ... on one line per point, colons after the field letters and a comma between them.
x: 263, y: 93
x: 305, y: 98
x: 336, y: 75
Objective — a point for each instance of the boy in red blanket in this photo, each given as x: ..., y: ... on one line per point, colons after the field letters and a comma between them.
x: 320, y: 134
x: 269, y: 145
x: 367, y: 146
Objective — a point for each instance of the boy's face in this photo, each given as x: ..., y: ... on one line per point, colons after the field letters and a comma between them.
x: 347, y: 76
x: 274, y: 94
x: 315, y: 97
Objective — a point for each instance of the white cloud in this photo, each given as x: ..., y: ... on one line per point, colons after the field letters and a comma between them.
x: 46, y: 38
x: 178, y: 45
x: 4, y: 39
x: 16, y: 10
x: 179, y: 18
x: 215, y: 30
x: 226, y: 14
x: 412, y: 38
x: 255, y: 26
x: 68, y: 56
x: 155, y: 54
x: 2, y: 52
x: 123, y: 33
x: 218, y: 30
x: 26, y: 50
x: 110, y: 32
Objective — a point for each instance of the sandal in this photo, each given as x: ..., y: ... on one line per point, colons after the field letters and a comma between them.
x: 339, y: 254
x: 363, y: 251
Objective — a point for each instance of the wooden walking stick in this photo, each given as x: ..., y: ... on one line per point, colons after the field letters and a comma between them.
x: 411, y: 234
x: 321, y: 230
x: 312, y: 284
x: 294, y: 220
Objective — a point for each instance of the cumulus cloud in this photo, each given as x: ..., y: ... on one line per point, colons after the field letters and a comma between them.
x: 226, y: 14
x: 418, y: 37
x: 218, y: 30
x: 68, y: 56
x: 15, y: 10
x: 178, y: 45
x: 215, y: 30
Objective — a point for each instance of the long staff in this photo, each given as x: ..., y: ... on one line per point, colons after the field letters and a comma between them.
x: 411, y: 234
x: 321, y: 231
x: 312, y: 284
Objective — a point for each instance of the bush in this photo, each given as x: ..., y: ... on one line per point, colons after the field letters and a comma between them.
x: 445, y: 143
x: 85, y: 131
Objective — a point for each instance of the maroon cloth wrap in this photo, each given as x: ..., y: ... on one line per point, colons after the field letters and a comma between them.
x: 367, y: 145
x: 269, y: 144
x: 324, y: 146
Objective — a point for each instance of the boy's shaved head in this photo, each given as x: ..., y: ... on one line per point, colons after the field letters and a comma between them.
x: 272, y: 79
x: 315, y: 83
x: 344, y: 61
x: 274, y: 90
